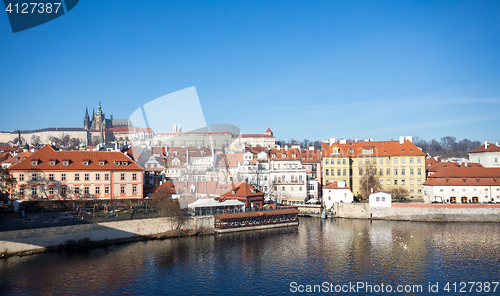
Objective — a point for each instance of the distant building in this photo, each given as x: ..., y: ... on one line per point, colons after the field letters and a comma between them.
x: 488, y: 155
x: 397, y: 164
x: 463, y: 184
x: 287, y: 176
x: 256, y: 140
x: 336, y: 192
x: 99, y: 121
x: 246, y: 193
x: 51, y: 174
x: 380, y: 199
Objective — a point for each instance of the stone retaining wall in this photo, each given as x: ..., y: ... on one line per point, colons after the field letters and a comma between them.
x: 39, y: 239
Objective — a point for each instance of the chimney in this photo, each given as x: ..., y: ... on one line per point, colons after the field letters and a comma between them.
x: 332, y: 140
x: 409, y: 138
x: 286, y: 147
x: 401, y: 139
x: 356, y: 140
x: 485, y: 145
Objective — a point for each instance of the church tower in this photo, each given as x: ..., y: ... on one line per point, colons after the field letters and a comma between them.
x: 174, y: 130
x: 86, y: 120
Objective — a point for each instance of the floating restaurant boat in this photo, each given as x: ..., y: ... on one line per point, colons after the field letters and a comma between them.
x: 256, y: 220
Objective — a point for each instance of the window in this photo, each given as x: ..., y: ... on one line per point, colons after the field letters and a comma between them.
x: 77, y: 190
x: 377, y: 198
x: 419, y: 191
x: 97, y: 177
x: 383, y: 198
x: 122, y: 177
x: 51, y: 190
x: 101, y: 162
x: 402, y: 160
x: 412, y: 191
x: 327, y: 172
x: 52, y: 162
x: 411, y: 182
x: 388, y: 160
x: 87, y: 177
x: 395, y: 182
x: 360, y: 161
x: 85, y: 162
x: 33, y: 177
x: 291, y: 188
x: 419, y: 182
x: 106, y: 177
x: 33, y: 191
x: 344, y: 161
x: 106, y: 189
x: 125, y: 163
x: 21, y: 177
x: 395, y: 160
x: 395, y: 171
x: 381, y: 182
x: 419, y: 171
x: 381, y: 172
x: 300, y: 188
x: 134, y: 177
x: 98, y: 190
x: 77, y: 177
x: 65, y: 162
x: 375, y: 161
x: 117, y: 163
x: 134, y: 189
x: 411, y: 159
x: 51, y: 177
x: 338, y: 172
x: 343, y: 172
x: 402, y: 171
x: 21, y: 191
x: 402, y: 182
x: 283, y: 189
x: 360, y: 172
x: 419, y: 160
x: 388, y: 172
x: 411, y: 171
x: 388, y: 182
x: 86, y: 190
x: 327, y: 161
x: 63, y: 177
x: 34, y: 162
x: 311, y: 186
x: 63, y: 190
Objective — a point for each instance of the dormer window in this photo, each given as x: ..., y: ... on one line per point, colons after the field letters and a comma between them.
x: 117, y: 163
x: 65, y: 162
x: 52, y: 162
x: 101, y: 162
x: 34, y: 162
x: 86, y: 162
x: 125, y: 163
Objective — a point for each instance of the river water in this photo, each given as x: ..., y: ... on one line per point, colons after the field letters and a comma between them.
x: 324, y: 256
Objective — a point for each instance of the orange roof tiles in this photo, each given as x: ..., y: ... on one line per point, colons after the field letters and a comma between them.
x: 76, y: 161
x: 465, y: 176
x: 310, y: 156
x: 243, y: 190
x: 283, y: 154
x: 334, y: 185
x: 379, y: 148
x: 490, y: 148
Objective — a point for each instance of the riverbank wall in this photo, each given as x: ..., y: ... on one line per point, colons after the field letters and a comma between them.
x: 30, y: 241
x: 420, y: 212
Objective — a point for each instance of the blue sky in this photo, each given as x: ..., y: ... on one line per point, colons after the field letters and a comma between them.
x: 307, y: 69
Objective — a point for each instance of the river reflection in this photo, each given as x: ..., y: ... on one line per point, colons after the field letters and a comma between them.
x: 265, y: 262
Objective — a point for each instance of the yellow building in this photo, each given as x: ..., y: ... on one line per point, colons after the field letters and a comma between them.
x: 397, y: 164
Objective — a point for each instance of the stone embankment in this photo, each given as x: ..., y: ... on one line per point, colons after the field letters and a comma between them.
x: 420, y: 212
x: 31, y: 241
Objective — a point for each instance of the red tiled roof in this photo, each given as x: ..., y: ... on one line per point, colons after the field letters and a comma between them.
x: 380, y: 148
x: 334, y: 185
x: 243, y: 190
x: 4, y: 156
x: 491, y: 148
x: 282, y: 154
x: 197, y: 153
x: 76, y: 161
x: 229, y: 160
x: 467, y: 172
x: 268, y: 130
x: 256, y: 136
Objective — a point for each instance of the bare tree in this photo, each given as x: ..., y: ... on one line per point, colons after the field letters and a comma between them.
x: 369, y: 180
x: 6, y: 182
x: 166, y: 206
x: 399, y: 194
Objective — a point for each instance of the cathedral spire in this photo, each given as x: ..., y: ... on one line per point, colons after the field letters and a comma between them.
x: 111, y: 114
